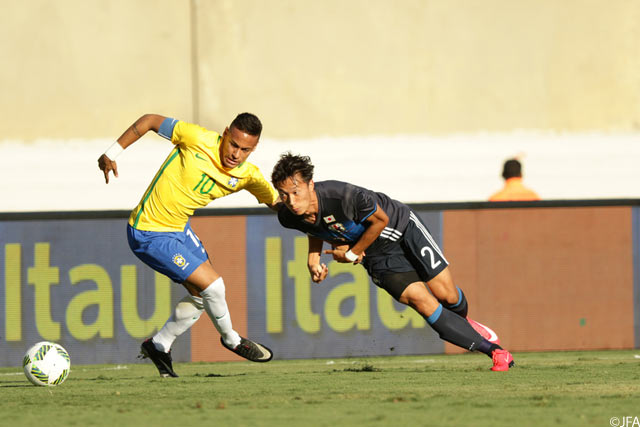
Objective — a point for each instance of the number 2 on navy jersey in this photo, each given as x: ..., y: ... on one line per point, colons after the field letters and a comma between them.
x: 432, y: 257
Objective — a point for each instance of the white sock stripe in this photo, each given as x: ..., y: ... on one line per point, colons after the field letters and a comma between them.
x: 427, y: 235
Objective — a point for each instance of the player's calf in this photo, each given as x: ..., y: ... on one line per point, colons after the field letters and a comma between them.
x: 456, y: 330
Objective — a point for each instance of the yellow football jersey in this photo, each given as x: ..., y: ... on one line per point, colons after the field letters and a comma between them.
x: 190, y: 178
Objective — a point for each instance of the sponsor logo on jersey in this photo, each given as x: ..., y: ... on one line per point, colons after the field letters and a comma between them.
x: 233, y: 182
x: 200, y: 157
x: 329, y: 219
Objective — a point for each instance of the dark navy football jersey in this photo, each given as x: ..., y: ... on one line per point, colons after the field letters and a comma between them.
x: 342, y: 211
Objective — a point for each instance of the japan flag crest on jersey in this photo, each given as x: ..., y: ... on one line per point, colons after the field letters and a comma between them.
x: 329, y: 219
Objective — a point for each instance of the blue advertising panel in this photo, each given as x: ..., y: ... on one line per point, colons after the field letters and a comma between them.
x: 346, y: 315
x: 76, y: 282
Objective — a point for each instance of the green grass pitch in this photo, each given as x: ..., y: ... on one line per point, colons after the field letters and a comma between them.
x: 560, y: 388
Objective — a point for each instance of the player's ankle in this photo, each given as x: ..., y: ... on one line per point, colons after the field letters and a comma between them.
x: 232, y: 339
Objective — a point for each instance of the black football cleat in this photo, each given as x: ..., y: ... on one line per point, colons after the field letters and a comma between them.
x: 161, y: 359
x: 250, y: 350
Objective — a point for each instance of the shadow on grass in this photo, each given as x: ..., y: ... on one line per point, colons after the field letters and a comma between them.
x: 363, y: 368
x: 213, y: 375
x: 15, y: 384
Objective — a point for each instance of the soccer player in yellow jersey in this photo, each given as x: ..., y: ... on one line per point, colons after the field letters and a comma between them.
x: 202, y: 166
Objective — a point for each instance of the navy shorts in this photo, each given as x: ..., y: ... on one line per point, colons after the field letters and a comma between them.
x: 415, y: 257
x: 176, y: 254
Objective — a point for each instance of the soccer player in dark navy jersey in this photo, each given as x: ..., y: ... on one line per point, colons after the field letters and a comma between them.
x: 389, y: 240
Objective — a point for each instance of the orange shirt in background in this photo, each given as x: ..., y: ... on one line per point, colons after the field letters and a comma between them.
x: 514, y: 190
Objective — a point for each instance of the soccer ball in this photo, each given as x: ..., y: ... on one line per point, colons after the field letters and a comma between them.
x: 46, y: 363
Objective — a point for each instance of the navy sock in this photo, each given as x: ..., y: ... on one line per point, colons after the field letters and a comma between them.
x: 460, y: 307
x: 487, y: 347
x: 456, y: 330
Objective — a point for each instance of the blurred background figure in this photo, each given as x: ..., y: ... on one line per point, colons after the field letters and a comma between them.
x: 513, y: 188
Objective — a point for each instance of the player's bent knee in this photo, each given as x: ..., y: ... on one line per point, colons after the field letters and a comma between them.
x: 418, y: 297
x: 443, y: 288
x: 197, y: 301
x: 188, y: 307
x: 216, y: 290
x: 201, y: 278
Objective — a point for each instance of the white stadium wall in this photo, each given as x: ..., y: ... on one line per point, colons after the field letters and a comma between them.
x: 63, y: 175
x: 422, y: 99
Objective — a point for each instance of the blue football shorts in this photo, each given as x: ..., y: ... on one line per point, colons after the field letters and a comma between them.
x: 176, y: 254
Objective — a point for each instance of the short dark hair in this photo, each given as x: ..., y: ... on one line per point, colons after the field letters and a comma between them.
x: 247, y: 122
x: 288, y: 165
x: 512, y: 168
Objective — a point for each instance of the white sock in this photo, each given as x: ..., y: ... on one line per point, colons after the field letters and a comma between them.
x: 216, y: 307
x: 186, y: 313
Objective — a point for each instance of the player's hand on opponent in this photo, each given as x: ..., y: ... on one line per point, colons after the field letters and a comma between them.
x: 107, y: 165
x: 318, y: 272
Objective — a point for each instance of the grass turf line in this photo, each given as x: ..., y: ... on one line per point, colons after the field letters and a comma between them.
x: 561, y: 388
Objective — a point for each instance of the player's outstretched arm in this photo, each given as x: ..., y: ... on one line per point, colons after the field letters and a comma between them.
x: 107, y: 161
x: 317, y: 270
x: 376, y: 223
